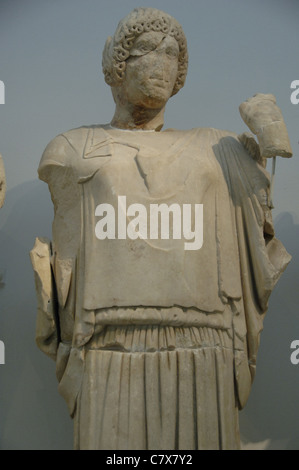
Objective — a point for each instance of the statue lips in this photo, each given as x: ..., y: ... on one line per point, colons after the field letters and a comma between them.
x: 155, y: 90
x: 159, y: 82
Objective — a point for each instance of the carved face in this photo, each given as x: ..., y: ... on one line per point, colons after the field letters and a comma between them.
x: 151, y: 70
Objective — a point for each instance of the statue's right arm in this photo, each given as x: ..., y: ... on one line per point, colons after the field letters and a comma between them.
x: 54, y: 262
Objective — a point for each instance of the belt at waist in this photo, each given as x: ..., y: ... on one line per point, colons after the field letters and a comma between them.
x: 153, y: 338
x: 171, y: 316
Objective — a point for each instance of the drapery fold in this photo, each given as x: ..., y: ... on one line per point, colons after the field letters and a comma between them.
x: 180, y: 398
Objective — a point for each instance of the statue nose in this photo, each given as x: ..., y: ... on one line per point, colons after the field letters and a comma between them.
x: 158, y: 65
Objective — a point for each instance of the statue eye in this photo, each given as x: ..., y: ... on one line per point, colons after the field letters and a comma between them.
x: 142, y: 48
x: 172, y: 52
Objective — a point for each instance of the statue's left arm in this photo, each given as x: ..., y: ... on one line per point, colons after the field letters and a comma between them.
x: 262, y: 257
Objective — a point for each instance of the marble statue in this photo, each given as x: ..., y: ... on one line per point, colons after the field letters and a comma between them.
x: 152, y: 293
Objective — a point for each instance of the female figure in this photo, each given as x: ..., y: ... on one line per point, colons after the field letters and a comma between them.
x: 157, y: 321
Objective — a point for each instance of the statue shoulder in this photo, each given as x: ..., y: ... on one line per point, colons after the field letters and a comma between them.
x: 238, y: 142
x: 64, y: 150
x: 211, y: 133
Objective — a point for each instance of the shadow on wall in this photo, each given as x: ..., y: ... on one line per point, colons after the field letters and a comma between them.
x: 32, y: 413
x: 271, y: 415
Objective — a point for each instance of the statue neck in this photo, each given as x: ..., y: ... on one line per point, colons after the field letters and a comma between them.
x: 135, y: 117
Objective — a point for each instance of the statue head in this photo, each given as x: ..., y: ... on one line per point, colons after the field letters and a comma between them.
x: 118, y: 49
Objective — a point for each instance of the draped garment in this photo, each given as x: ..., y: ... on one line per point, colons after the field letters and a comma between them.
x: 224, y: 286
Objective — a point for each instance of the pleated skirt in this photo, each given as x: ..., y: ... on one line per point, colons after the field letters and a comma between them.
x: 158, y: 388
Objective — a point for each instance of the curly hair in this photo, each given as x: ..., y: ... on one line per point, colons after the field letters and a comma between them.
x: 140, y: 20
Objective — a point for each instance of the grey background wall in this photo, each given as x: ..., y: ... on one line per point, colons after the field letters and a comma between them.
x: 50, y: 62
